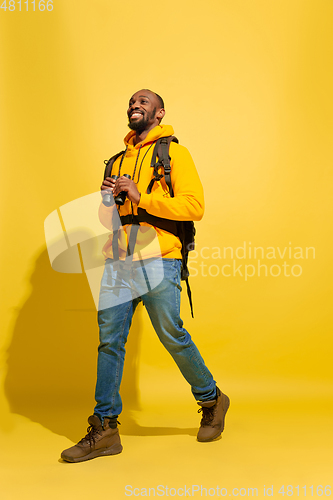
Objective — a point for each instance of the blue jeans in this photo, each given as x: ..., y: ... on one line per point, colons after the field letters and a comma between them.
x: 157, y: 284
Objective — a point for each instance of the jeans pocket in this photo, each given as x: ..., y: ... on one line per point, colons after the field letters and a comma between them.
x: 177, y: 273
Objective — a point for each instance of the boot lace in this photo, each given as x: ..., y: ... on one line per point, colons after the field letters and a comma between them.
x: 207, y: 415
x: 92, y: 432
x: 90, y: 436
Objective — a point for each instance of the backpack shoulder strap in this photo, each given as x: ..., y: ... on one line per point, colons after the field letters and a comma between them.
x: 109, y: 164
x: 161, y: 150
x: 164, y: 157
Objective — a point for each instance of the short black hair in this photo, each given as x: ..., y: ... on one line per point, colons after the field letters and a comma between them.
x: 160, y: 100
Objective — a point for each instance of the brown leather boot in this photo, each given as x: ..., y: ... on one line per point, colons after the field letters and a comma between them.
x: 100, y: 441
x: 213, y: 415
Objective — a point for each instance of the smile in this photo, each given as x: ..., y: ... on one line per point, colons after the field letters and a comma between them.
x: 136, y: 114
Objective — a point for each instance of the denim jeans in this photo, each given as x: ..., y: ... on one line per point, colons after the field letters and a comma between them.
x: 157, y: 284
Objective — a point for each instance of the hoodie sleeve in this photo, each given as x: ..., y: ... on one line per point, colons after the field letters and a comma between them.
x: 188, y: 200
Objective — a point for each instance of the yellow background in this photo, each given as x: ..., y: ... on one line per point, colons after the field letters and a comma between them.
x: 248, y: 89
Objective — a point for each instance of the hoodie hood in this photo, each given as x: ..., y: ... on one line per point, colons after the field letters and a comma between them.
x: 153, y: 135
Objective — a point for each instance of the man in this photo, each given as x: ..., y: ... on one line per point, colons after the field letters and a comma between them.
x: 156, y: 283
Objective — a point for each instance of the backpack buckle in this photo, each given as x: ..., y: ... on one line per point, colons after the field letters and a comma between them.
x: 167, y: 168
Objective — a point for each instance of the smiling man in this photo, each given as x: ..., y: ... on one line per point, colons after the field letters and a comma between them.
x: 146, y: 195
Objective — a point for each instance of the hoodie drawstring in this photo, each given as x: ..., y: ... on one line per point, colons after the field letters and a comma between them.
x: 136, y: 161
x: 121, y: 160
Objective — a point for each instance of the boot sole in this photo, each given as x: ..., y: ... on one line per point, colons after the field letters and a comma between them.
x: 102, y: 452
x: 219, y: 432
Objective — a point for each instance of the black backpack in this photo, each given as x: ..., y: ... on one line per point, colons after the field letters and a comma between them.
x: 184, y: 230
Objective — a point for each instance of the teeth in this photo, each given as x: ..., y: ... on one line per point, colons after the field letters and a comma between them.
x: 133, y: 115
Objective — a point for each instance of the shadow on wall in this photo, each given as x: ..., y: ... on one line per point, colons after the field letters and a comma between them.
x: 52, y: 359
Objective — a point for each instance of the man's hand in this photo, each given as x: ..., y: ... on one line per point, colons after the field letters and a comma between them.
x: 108, y: 186
x: 125, y: 184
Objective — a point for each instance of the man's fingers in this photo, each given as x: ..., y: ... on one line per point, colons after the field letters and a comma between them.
x: 109, y: 179
x: 106, y: 182
x: 123, y: 184
x: 108, y: 185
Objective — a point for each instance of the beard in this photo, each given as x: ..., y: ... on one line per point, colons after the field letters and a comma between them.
x: 142, y: 123
x: 138, y: 125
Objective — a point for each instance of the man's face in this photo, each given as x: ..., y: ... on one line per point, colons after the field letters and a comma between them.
x: 143, y: 110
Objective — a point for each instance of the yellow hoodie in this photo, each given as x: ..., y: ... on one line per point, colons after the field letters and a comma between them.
x: 187, y: 203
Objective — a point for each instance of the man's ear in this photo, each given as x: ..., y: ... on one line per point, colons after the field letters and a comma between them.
x: 160, y: 114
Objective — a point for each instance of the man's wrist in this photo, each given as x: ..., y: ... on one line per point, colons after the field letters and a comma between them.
x: 145, y: 200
